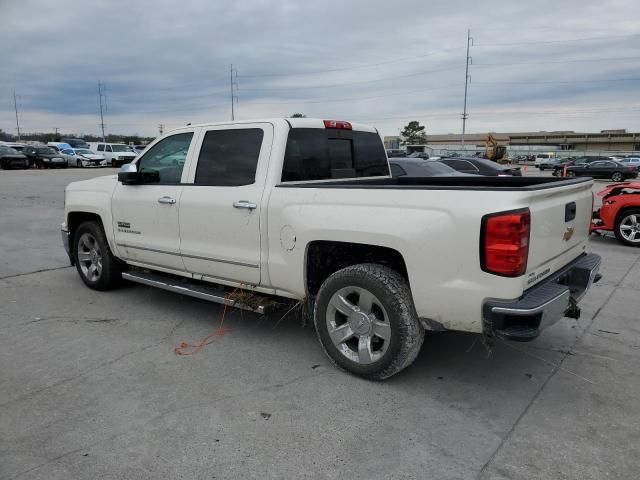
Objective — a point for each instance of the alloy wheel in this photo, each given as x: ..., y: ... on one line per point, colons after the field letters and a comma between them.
x: 358, y: 325
x: 630, y: 228
x: 90, y: 257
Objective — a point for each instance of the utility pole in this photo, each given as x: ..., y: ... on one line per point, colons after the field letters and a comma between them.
x: 233, y: 86
x: 15, y: 105
x: 466, y: 83
x: 161, y: 128
x: 100, y: 95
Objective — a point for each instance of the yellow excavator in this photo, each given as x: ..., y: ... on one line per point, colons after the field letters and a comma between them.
x: 495, y: 152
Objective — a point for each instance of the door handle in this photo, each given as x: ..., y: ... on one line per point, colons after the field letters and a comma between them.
x: 245, y: 204
x: 167, y: 200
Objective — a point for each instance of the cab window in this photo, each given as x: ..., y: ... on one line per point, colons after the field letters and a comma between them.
x: 163, y: 163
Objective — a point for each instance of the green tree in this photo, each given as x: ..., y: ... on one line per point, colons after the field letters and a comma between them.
x: 298, y: 115
x: 414, y: 134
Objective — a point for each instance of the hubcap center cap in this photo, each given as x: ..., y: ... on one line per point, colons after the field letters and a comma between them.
x: 94, y: 256
x: 360, y: 323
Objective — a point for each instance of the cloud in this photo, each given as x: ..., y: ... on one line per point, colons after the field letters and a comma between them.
x: 376, y: 61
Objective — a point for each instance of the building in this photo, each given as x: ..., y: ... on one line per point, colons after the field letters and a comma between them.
x: 605, y: 140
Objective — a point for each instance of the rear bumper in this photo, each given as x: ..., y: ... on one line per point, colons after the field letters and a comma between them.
x: 544, y: 304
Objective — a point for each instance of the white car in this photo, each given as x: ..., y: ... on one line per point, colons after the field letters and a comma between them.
x: 543, y: 158
x: 302, y: 211
x: 83, y: 158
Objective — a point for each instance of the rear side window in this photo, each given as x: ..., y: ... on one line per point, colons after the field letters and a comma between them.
x: 229, y: 158
x: 101, y: 148
x: 324, y: 154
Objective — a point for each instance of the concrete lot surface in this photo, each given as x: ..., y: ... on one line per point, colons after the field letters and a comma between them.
x: 90, y: 387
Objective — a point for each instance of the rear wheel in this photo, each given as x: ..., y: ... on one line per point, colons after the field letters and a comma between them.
x: 627, y: 227
x: 617, y: 177
x: 98, y: 268
x: 366, y: 321
x: 113, y: 163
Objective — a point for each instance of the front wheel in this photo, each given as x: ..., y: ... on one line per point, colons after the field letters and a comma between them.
x: 627, y: 227
x: 79, y: 164
x: 98, y: 268
x: 617, y: 177
x: 366, y: 321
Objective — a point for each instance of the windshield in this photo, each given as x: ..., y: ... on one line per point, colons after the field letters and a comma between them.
x: 8, y: 150
x: 47, y: 150
x: 122, y: 148
x: 437, y: 168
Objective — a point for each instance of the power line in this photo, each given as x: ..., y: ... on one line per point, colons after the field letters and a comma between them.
x: 233, y: 85
x: 466, y: 84
x: 100, y: 95
x: 557, y: 61
x: 584, y: 39
x: 560, y: 81
x: 15, y: 105
x: 352, y: 67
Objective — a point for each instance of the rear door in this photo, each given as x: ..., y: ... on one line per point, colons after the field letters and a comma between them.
x: 221, y: 206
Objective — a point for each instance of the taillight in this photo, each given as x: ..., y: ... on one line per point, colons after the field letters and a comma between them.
x: 504, y: 242
x: 337, y: 124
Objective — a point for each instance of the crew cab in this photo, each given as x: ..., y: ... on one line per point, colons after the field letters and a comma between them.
x: 305, y: 210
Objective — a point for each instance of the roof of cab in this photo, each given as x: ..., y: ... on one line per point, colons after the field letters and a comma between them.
x: 293, y: 122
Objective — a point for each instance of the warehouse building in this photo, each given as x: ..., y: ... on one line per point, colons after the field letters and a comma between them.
x: 605, y: 140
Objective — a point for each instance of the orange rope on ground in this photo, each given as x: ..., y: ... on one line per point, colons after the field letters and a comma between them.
x: 185, y: 348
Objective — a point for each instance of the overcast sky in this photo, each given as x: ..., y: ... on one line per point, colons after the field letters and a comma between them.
x: 537, y: 65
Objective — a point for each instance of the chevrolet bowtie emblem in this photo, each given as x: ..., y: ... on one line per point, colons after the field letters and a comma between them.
x: 568, y: 234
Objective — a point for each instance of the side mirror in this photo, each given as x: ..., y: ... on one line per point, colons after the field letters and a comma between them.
x: 128, y: 174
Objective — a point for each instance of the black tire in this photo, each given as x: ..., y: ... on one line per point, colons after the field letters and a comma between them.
x: 113, y: 163
x: 571, y: 173
x: 111, y: 268
x: 392, y: 292
x: 623, y: 216
x: 27, y: 165
x: 79, y: 163
x: 617, y: 177
x: 4, y: 166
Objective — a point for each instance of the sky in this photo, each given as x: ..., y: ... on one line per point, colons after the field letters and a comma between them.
x: 536, y: 65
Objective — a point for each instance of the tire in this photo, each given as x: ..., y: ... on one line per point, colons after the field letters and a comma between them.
x: 27, y: 165
x: 627, y: 227
x: 113, y: 163
x: 362, y: 349
x: 617, y: 177
x: 79, y: 164
x: 571, y: 173
x: 96, y: 265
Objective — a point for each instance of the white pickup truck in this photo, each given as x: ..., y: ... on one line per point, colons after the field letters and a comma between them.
x: 305, y: 210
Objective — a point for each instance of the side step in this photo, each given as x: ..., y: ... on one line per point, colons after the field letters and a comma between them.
x: 260, y: 303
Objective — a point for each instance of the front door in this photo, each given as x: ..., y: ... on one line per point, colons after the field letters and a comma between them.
x: 221, y: 206
x: 145, y: 216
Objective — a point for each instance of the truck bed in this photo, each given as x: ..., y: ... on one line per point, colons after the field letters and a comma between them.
x: 444, y: 183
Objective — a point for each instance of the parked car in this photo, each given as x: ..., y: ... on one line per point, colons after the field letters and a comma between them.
x: 542, y: 157
x: 11, y: 158
x: 75, y: 142
x: 620, y: 213
x: 423, y: 155
x: 302, y: 210
x: 45, y: 157
x: 394, y: 152
x: 59, y: 146
x: 550, y: 163
x: 416, y: 167
x: 634, y: 161
x: 558, y: 169
x: 481, y: 166
x: 616, y: 171
x: 116, y: 154
x: 83, y: 157
x: 16, y: 146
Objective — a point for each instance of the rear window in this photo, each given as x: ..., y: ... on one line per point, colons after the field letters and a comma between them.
x: 325, y: 154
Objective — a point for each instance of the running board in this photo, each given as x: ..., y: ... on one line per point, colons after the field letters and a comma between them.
x: 183, y: 286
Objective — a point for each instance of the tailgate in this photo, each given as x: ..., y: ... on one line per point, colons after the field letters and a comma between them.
x: 560, y: 220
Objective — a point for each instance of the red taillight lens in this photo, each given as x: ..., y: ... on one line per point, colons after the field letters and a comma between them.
x: 504, y: 243
x: 338, y: 124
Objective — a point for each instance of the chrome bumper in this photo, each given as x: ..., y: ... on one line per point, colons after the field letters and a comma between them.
x: 544, y: 304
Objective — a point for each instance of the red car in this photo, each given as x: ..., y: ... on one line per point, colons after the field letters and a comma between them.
x: 620, y: 212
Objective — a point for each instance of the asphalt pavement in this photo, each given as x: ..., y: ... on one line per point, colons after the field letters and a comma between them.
x: 90, y: 386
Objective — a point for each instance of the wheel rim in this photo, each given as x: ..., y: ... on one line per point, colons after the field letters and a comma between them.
x: 571, y: 173
x: 630, y: 228
x: 79, y: 164
x: 89, y: 257
x: 358, y: 325
x: 616, y: 177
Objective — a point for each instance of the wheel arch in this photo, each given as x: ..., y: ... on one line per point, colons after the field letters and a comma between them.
x: 325, y: 257
x: 74, y: 220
